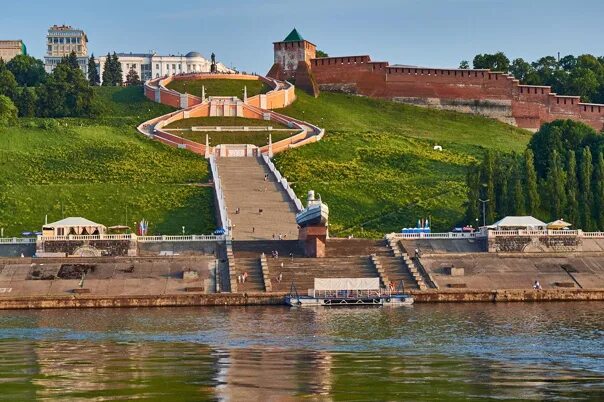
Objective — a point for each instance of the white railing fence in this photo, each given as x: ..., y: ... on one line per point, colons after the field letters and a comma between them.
x: 497, y: 233
x: 222, y: 209
x: 447, y: 235
x: 284, y: 183
x: 157, y: 239
x: 17, y: 240
x: 129, y: 237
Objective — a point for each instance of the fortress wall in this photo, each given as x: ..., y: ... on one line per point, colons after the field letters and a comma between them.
x: 493, y: 94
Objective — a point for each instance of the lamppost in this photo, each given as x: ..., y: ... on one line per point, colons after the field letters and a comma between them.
x: 484, y: 216
x: 183, y: 230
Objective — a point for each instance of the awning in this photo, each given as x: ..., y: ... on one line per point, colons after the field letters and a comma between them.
x: 558, y: 224
x: 347, y: 283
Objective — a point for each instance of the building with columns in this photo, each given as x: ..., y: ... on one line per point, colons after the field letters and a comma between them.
x: 61, y: 40
x: 11, y: 48
x: 152, y: 65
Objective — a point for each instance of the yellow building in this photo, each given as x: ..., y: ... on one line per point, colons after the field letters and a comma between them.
x: 11, y: 48
x: 61, y: 40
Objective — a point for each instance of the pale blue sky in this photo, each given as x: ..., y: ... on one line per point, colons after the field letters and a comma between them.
x: 420, y: 32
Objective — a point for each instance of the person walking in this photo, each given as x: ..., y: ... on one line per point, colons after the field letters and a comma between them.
x: 280, y: 277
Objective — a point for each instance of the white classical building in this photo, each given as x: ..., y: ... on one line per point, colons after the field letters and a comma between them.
x: 152, y: 65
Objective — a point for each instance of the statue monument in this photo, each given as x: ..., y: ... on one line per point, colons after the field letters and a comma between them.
x: 213, y: 68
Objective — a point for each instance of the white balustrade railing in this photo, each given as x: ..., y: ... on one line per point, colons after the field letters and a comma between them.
x: 224, y: 218
x: 157, y: 239
x: 90, y: 237
x: 593, y: 235
x: 496, y: 233
x: 284, y: 183
x: 447, y: 235
x: 17, y: 240
x: 131, y: 236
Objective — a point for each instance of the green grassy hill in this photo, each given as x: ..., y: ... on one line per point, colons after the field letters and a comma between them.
x: 219, y: 87
x: 101, y: 169
x: 376, y: 167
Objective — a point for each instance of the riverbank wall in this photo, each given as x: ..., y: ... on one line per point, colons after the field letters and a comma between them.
x: 261, y: 298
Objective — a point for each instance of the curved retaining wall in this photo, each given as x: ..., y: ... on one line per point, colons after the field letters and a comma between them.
x: 255, y: 107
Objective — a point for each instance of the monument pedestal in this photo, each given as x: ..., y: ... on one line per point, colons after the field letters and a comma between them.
x: 313, y: 239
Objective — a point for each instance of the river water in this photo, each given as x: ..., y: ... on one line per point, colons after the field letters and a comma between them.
x: 523, y: 351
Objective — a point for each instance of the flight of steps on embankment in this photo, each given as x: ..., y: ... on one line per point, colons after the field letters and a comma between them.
x: 346, y: 258
x: 303, y: 271
x: 395, y: 269
x: 245, y: 188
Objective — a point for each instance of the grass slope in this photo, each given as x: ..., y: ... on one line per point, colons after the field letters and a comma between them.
x: 219, y: 87
x: 376, y: 167
x: 224, y: 121
x: 101, y: 169
x: 234, y: 137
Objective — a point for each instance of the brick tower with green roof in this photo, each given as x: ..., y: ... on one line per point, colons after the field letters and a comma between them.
x: 292, y: 61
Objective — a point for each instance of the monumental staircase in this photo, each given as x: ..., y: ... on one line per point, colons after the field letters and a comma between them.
x: 264, y: 207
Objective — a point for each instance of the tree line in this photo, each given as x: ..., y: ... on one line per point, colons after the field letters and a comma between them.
x: 26, y: 90
x: 559, y: 175
x: 64, y: 93
x: 582, y: 75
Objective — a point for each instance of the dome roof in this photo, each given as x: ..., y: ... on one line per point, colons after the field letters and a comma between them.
x: 193, y: 54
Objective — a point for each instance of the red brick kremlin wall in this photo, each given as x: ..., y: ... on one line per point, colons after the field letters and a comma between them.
x: 493, y: 94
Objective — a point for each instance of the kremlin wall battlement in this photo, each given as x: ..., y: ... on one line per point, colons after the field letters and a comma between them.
x: 492, y: 94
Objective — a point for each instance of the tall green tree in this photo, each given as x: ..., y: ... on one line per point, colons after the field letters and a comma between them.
x: 112, y: 71
x: 117, y: 69
x: 473, y: 192
x: 572, y: 189
x: 65, y: 93
x: 495, y: 62
x: 8, y: 111
x: 530, y: 183
x: 487, y: 178
x: 93, y: 73
x: 132, y: 77
x: 26, y: 102
x: 8, y: 83
x: 464, y: 65
x: 555, y: 183
x: 598, y: 185
x: 108, y: 79
x: 523, y: 71
x: 72, y: 60
x: 585, y: 174
x: 517, y: 202
x: 28, y: 71
x: 502, y: 191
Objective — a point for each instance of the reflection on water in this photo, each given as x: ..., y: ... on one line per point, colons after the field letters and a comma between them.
x: 428, y: 352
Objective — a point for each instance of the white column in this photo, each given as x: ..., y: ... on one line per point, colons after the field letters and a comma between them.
x: 270, y: 145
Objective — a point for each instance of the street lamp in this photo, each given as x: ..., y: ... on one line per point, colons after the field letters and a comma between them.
x: 183, y: 230
x: 484, y: 216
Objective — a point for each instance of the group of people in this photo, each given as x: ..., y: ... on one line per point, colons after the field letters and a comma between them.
x: 279, y: 236
x: 242, y: 277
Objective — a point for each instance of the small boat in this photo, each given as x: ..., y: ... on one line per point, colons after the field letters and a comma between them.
x: 315, y: 213
x: 347, y: 292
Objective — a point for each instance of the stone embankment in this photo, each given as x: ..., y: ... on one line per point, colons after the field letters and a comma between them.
x: 277, y: 298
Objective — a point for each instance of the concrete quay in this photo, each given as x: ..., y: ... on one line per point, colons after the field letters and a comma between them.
x: 277, y: 298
